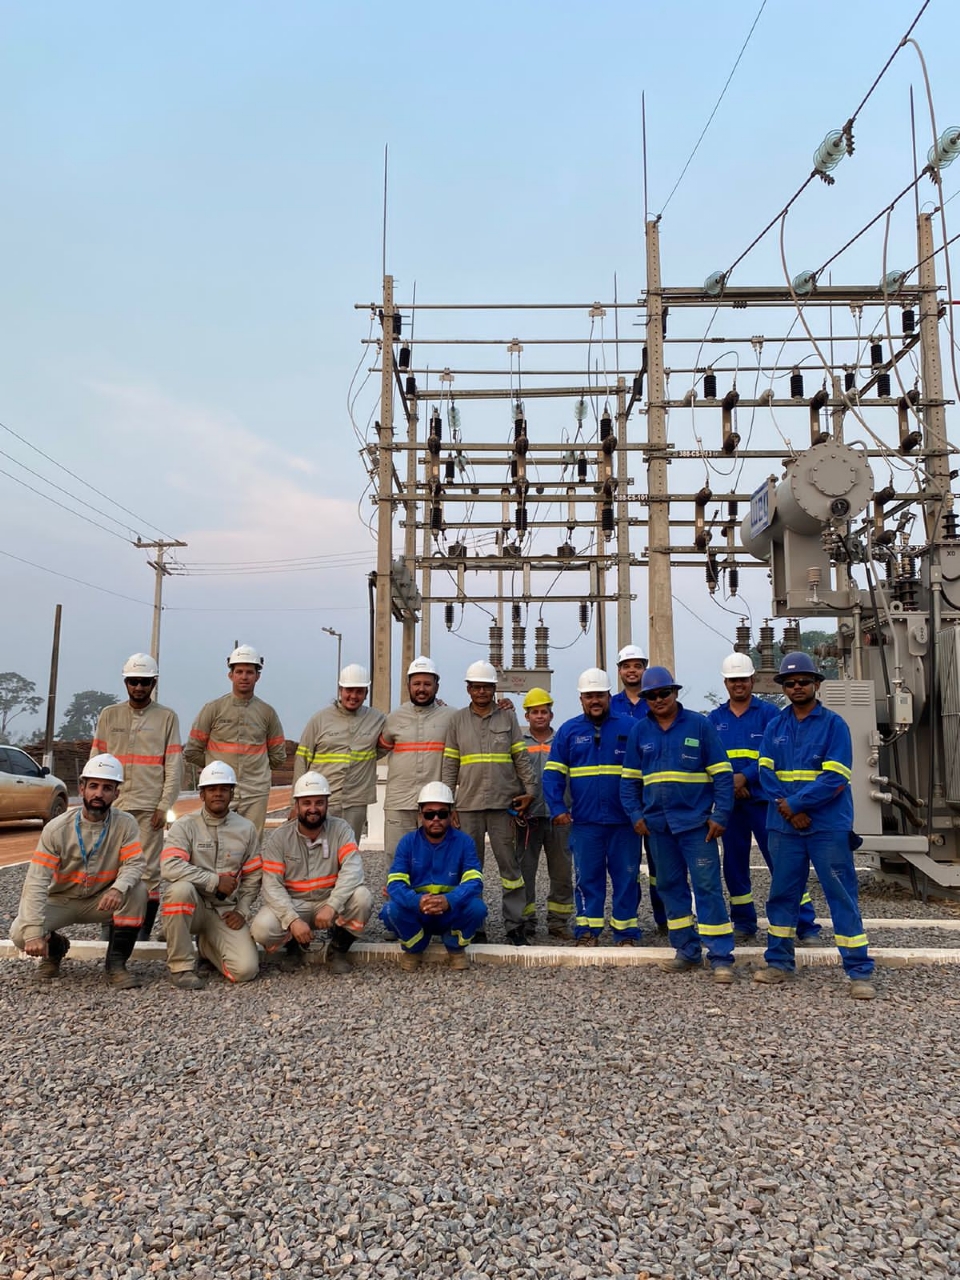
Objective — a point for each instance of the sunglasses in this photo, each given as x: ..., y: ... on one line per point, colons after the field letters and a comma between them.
x: 798, y: 684
x: 658, y: 695
x: 140, y: 682
x: 435, y: 815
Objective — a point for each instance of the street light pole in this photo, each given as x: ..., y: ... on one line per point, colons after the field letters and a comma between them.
x: 339, y: 638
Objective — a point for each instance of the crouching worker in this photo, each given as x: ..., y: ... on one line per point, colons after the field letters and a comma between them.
x: 435, y: 885
x: 210, y: 867
x: 312, y: 879
x: 88, y: 869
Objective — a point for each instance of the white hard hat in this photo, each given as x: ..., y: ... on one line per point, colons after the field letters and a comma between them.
x: 353, y: 676
x: 140, y: 664
x: 105, y: 767
x: 217, y: 774
x: 593, y: 680
x: 245, y: 655
x: 422, y: 666
x: 481, y: 673
x: 631, y: 652
x: 311, y: 784
x: 737, y: 664
x: 435, y: 793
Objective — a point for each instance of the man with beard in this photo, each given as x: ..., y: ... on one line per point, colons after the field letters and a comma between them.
x: 806, y: 761
x: 435, y: 885
x: 88, y: 869
x: 485, y: 763
x: 341, y: 742
x: 415, y: 735
x: 677, y: 788
x: 587, y: 755
x: 312, y: 880
x: 243, y: 732
x: 211, y: 873
x: 145, y: 738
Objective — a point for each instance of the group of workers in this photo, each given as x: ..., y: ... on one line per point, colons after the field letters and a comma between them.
x: 633, y: 771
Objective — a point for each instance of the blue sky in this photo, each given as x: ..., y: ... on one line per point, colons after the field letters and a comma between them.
x: 192, y: 206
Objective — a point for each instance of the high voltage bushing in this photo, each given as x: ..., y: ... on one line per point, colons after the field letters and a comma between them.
x: 712, y: 573
x: 733, y: 579
x: 796, y: 384
x: 403, y: 360
x: 584, y: 615
x: 849, y: 381
x: 950, y: 526
x: 607, y: 521
x: 883, y: 385
x: 411, y: 385
x: 710, y: 385
x: 766, y: 646
x: 449, y: 469
x: 907, y: 321
x: 496, y: 646
x: 744, y: 643
x: 519, y: 645
x: 876, y: 354
x: 791, y: 636
x: 448, y: 616
x: 521, y: 519
x: 582, y: 467
x: 542, y: 645
x: 606, y: 425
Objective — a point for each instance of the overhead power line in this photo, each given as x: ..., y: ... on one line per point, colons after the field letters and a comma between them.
x: 69, y: 577
x: 79, y: 514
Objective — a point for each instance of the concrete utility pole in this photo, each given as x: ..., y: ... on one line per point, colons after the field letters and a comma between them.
x: 161, y: 570
x: 934, y: 413
x: 52, y: 694
x: 382, y: 641
x: 659, y: 579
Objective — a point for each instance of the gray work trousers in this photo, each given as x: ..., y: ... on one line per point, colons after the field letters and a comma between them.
x: 354, y: 815
x: 498, y: 826
x: 271, y: 935
x: 151, y: 841
x: 186, y: 915
x: 541, y: 835
x: 60, y: 912
x: 396, y: 824
x: 254, y: 809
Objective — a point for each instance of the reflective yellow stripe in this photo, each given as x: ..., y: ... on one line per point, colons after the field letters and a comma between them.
x: 681, y: 922
x: 766, y: 762
x: 433, y: 888
x: 739, y: 899
x: 624, y: 924
x: 858, y: 940
x: 652, y: 881
x: 590, y: 922
x: 530, y: 909
x: 488, y: 757
x: 781, y: 931
x: 471, y: 875
x: 632, y: 773
x: 463, y: 942
x: 798, y: 775
x: 397, y: 876
x: 556, y: 766
x: 560, y: 908
x: 806, y: 898
x: 412, y: 942
x: 723, y: 767
x: 517, y: 748
x: 714, y: 930
x: 329, y: 757
x: 675, y: 777
x: 597, y: 771
x: 451, y: 753
x: 507, y: 885
x: 743, y: 753
x: 834, y: 766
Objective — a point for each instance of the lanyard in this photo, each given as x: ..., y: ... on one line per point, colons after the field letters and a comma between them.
x: 87, y: 857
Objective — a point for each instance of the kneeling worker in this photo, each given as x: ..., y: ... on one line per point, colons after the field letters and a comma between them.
x: 312, y: 879
x: 435, y: 884
x: 88, y: 869
x: 210, y: 868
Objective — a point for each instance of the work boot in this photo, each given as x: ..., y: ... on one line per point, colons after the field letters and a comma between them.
x: 49, y: 966
x: 410, y: 961
x: 480, y: 936
x: 677, y: 964
x: 627, y: 942
x: 389, y: 935
x: 722, y: 975
x: 771, y: 975
x: 518, y: 937
x: 458, y: 959
x: 558, y: 930
x: 860, y: 989
x: 187, y: 980
x: 588, y: 940
x: 294, y: 955
x: 809, y: 939
x: 153, y: 905
x: 339, y: 962
x: 119, y: 950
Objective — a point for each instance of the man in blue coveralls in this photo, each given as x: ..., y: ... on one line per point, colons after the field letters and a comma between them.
x: 806, y: 759
x: 741, y: 723
x: 435, y: 884
x: 587, y: 753
x: 631, y: 664
x: 677, y: 787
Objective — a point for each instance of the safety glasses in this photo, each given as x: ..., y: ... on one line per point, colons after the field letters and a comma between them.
x: 435, y: 815
x: 800, y: 683
x: 141, y: 683
x: 658, y: 695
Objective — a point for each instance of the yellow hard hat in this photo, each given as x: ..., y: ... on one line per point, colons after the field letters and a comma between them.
x: 537, y: 698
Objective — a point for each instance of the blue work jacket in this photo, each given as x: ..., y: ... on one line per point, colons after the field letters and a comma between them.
x: 808, y: 763
x: 677, y: 779
x: 450, y: 867
x: 589, y: 757
x: 742, y: 736
x: 620, y: 705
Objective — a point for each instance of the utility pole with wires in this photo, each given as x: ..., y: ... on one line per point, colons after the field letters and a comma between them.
x: 162, y: 571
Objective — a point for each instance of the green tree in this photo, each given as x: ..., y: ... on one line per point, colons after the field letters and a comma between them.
x: 82, y: 714
x: 18, y: 696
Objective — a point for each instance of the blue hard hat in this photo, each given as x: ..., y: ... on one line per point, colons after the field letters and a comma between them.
x: 656, y: 678
x: 797, y: 664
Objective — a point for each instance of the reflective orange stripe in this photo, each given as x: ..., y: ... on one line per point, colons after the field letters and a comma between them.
x: 345, y: 851
x: 77, y: 877
x: 199, y: 736
x: 98, y: 746
x: 255, y: 864
x: 275, y: 742
x: 140, y: 759
x: 418, y: 746
x: 277, y: 868
x: 45, y: 859
x: 538, y: 748
x: 129, y: 851
x: 177, y: 909
x: 175, y: 853
x: 174, y: 749
x: 304, y: 886
x: 238, y: 748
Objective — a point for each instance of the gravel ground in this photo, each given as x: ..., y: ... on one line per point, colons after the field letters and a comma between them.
x: 505, y: 1123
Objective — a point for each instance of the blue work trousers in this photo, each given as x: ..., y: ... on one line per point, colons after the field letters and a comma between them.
x: 414, y: 929
x: 684, y: 859
x: 600, y: 850
x: 749, y: 821
x: 656, y: 902
x: 829, y: 851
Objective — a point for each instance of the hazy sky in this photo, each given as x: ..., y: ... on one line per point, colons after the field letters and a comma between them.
x: 192, y: 206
